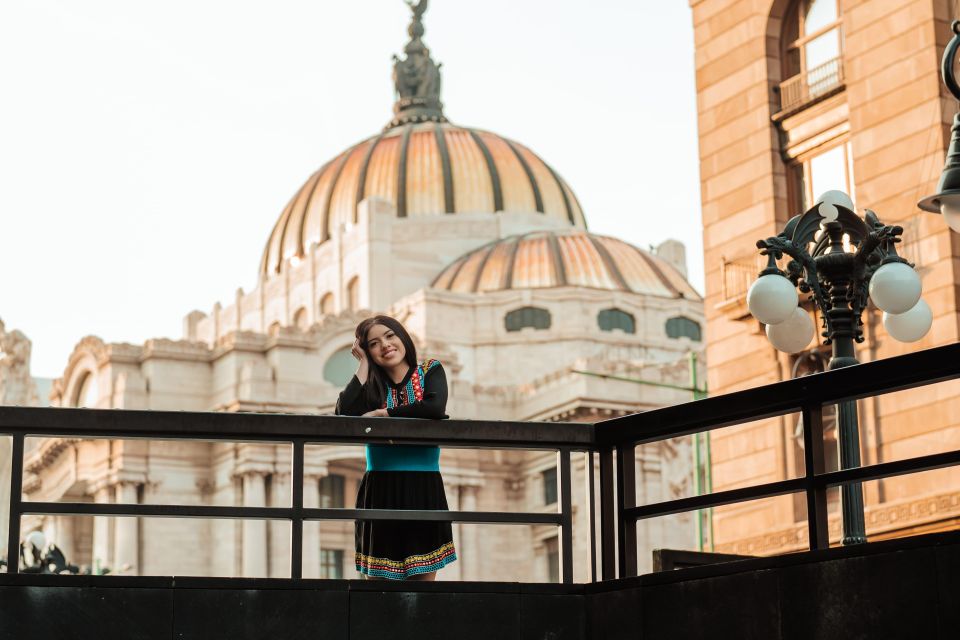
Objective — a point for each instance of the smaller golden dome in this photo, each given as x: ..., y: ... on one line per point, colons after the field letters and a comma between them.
x: 569, y: 258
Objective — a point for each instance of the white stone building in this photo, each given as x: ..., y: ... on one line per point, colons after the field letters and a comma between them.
x: 481, y: 249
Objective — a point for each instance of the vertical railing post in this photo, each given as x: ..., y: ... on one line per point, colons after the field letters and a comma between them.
x: 566, y: 517
x: 16, y: 508
x: 296, y: 523
x: 627, y: 492
x: 591, y: 511
x: 608, y: 539
x: 814, y: 464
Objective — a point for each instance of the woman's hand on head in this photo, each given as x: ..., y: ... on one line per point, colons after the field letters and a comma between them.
x: 376, y: 413
x: 358, y: 351
x: 363, y: 368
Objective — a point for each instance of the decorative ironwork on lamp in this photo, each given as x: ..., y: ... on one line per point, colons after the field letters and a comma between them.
x: 841, y: 261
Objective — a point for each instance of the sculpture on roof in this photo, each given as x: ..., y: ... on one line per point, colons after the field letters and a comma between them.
x: 16, y: 385
x: 416, y: 77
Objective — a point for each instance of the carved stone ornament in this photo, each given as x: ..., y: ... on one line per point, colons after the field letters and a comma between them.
x: 16, y: 385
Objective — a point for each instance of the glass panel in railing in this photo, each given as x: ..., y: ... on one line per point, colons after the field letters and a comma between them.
x: 157, y: 472
x: 918, y: 503
x: 6, y: 443
x: 108, y: 545
x: 761, y: 527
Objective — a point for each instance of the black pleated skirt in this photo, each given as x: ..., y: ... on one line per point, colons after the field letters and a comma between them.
x: 400, y: 549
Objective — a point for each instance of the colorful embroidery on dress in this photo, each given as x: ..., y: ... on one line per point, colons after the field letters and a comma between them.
x: 413, y: 390
x: 411, y: 566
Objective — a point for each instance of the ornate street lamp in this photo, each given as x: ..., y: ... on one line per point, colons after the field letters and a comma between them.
x: 947, y: 198
x: 841, y: 261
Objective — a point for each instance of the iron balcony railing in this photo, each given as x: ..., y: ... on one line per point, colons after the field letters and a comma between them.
x: 610, y: 443
x: 809, y: 85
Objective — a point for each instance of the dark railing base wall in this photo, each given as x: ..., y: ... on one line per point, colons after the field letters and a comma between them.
x: 907, y: 588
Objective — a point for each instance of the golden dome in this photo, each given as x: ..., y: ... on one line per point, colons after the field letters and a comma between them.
x: 425, y: 169
x: 543, y: 259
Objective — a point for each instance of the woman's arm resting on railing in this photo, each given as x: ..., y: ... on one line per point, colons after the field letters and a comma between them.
x: 351, y: 401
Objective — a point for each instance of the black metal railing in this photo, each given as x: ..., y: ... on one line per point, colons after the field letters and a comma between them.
x: 612, y: 442
x: 617, y: 439
x: 299, y: 431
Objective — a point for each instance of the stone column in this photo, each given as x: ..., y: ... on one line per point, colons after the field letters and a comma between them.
x: 254, y: 558
x: 311, y: 530
x: 64, y: 537
x: 126, y: 558
x: 469, y: 538
x: 101, y: 534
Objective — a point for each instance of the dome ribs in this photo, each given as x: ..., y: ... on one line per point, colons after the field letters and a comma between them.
x: 308, y: 204
x: 294, y: 224
x: 402, y: 172
x: 492, y: 169
x: 537, y: 197
x: 609, y: 262
x: 445, y: 167
x: 472, y: 187
x: 511, y: 261
x: 265, y: 262
x: 328, y: 196
x: 487, y: 252
x: 362, y: 179
x: 563, y: 192
x: 660, y: 274
x: 559, y: 269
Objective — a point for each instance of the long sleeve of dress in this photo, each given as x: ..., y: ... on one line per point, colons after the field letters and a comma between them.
x: 351, y: 401
x: 434, y: 403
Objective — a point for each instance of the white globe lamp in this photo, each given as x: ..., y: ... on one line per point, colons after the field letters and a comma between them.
x: 793, y: 335
x: 950, y: 208
x: 772, y: 298
x: 895, y: 287
x: 836, y: 197
x: 911, y: 325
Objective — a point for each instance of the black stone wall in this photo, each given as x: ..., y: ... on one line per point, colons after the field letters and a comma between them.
x: 897, y: 589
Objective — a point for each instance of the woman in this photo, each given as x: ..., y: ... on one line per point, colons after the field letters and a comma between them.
x: 391, y: 382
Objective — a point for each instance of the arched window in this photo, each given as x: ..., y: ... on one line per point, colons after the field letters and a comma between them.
x: 87, y: 391
x: 684, y: 327
x: 353, y: 293
x: 340, y: 367
x: 300, y: 319
x: 274, y: 328
x: 527, y: 317
x: 811, y: 41
x: 326, y: 304
x: 610, y: 319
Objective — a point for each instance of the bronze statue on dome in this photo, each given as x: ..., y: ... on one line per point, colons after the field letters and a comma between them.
x: 416, y: 77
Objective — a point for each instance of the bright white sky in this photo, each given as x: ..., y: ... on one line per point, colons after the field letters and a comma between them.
x: 146, y: 149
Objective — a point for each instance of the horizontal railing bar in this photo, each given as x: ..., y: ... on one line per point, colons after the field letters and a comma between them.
x: 282, y: 513
x: 925, y: 367
x: 156, y: 510
x: 493, y: 517
x: 315, y: 429
x: 796, y: 485
x: 890, y: 469
x: 717, y: 499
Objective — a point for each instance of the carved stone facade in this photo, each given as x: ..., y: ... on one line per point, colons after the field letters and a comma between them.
x: 795, y: 98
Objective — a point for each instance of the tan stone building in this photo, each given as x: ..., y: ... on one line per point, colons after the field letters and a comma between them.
x: 482, y: 250
x: 796, y: 97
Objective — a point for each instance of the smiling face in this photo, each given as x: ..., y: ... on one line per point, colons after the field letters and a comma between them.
x: 385, y: 347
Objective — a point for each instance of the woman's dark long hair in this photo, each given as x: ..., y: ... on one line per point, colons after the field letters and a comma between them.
x: 377, y: 379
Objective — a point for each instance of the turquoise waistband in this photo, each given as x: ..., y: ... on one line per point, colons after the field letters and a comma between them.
x: 402, y: 457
